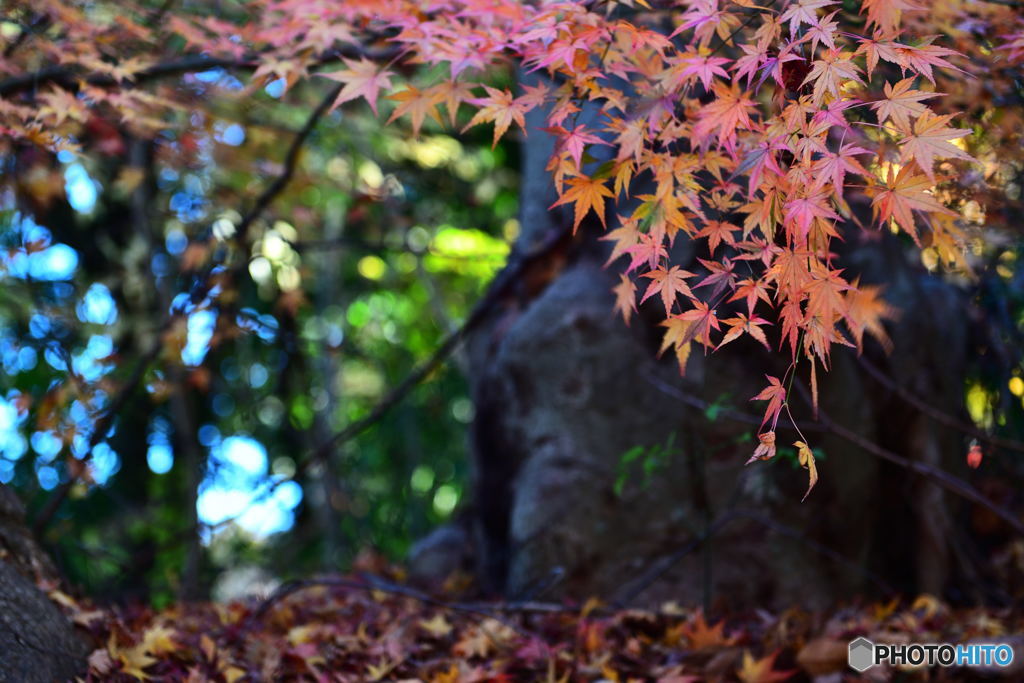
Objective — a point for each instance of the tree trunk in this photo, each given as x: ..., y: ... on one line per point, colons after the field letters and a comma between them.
x: 37, y: 642
x: 564, y: 389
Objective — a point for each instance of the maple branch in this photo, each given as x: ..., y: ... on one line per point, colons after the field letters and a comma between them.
x: 499, y: 287
x: 950, y: 482
x: 127, y: 391
x: 69, y: 78
x: 291, y: 160
x: 99, y: 432
x: 935, y: 413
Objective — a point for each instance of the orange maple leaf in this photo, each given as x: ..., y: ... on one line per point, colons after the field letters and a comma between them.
x: 742, y: 324
x: 904, y: 193
x: 625, y: 297
x: 417, y: 104
x: 679, y: 336
x: 901, y: 102
x: 668, y: 283
x: 931, y: 139
x: 701, y: 636
x: 501, y: 108
x: 585, y: 194
x: 362, y: 79
x: 761, y: 670
x: 726, y: 114
x: 718, y: 232
x: 775, y: 394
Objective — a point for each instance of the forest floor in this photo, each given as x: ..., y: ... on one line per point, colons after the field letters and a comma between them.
x: 376, y: 628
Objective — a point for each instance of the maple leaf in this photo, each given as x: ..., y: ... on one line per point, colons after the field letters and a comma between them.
x: 743, y: 324
x: 722, y: 276
x: 751, y: 290
x: 901, y: 102
x: 829, y: 73
x: 802, y: 211
x: 718, y: 232
x: 921, y: 58
x: 437, y: 626
x: 823, y: 31
x: 885, y: 14
x: 159, y: 640
x: 585, y: 193
x: 452, y: 94
x: 62, y: 105
x: 573, y: 141
x: 704, y: 67
x: 761, y: 158
x: 700, y: 636
x: 704, y: 320
x: 765, y: 448
x: 825, y: 292
x: 631, y: 137
x: 679, y: 336
x: 931, y: 139
x: 803, y: 12
x: 806, y: 459
x: 501, y: 108
x: 761, y: 670
x: 134, y: 660
x: 835, y: 166
x: 417, y: 104
x: 648, y: 249
x: 625, y: 297
x: 362, y: 79
x: 729, y: 112
x: 623, y: 237
x: 904, y: 193
x: 668, y: 283
x: 775, y: 394
x: 865, y: 312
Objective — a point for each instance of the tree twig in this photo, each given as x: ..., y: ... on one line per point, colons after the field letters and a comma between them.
x: 70, y: 78
x: 99, y: 432
x: 264, y: 200
x: 935, y: 413
x: 948, y: 481
x: 291, y: 160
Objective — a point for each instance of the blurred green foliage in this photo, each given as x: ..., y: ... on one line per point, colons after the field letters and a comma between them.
x: 375, y: 253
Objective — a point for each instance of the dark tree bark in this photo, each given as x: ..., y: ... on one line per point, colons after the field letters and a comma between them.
x: 563, y: 389
x: 37, y: 642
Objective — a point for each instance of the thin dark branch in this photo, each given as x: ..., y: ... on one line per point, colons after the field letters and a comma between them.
x: 69, y: 77
x: 499, y: 288
x: 948, y: 481
x: 935, y: 413
x: 128, y: 390
x: 290, y: 162
x: 99, y: 432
